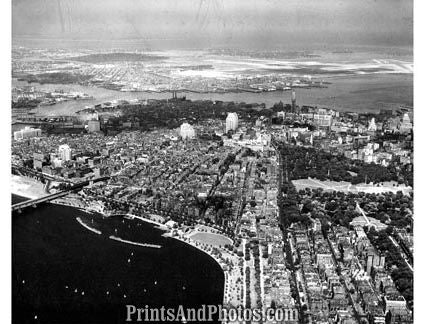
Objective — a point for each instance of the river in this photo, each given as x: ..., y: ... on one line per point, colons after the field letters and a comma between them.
x: 65, y: 273
x: 369, y: 92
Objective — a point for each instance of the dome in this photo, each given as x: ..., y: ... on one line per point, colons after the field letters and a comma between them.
x: 187, y: 131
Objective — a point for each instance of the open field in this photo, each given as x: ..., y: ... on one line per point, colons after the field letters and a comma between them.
x: 210, y: 239
x: 348, y: 187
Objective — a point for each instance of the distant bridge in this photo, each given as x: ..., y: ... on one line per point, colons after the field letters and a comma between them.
x: 34, y: 202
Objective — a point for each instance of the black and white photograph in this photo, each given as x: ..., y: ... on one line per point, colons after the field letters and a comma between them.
x: 211, y: 161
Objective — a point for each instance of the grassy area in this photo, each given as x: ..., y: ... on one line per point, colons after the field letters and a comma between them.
x: 344, y: 186
x: 211, y: 239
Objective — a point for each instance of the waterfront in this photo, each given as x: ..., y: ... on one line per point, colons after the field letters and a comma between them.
x: 358, y: 93
x: 253, y: 156
x: 62, y: 272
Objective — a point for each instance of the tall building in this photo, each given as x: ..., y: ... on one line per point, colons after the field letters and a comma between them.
x: 27, y: 132
x: 65, y: 152
x: 231, y: 122
x: 406, y: 125
x: 372, y: 125
x: 187, y: 131
x: 294, y: 101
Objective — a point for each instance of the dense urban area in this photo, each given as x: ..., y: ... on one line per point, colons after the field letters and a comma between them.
x: 307, y: 209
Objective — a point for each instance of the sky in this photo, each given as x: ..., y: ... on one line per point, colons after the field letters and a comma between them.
x: 247, y: 24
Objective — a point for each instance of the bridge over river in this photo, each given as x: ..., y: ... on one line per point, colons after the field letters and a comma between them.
x: 34, y: 202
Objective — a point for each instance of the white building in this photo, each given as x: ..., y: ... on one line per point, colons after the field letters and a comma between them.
x: 187, y: 131
x: 57, y: 163
x: 372, y: 125
x: 27, y: 132
x: 406, y: 124
x: 231, y: 122
x: 65, y: 152
x: 394, y: 303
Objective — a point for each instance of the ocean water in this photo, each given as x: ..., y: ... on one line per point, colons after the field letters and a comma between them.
x: 64, y: 273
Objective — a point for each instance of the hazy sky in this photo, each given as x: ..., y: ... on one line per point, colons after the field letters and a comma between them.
x: 208, y: 23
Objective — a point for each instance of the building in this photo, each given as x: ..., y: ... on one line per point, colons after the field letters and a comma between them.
x: 93, y: 126
x: 322, y: 120
x: 39, y: 160
x: 27, y: 132
x: 127, y: 124
x: 232, y: 122
x: 372, y: 125
x: 98, y: 172
x: 374, y: 260
x: 65, y: 152
x: 406, y: 125
x: 317, y: 225
x: 395, y: 303
x: 281, y: 114
x: 324, y: 258
x: 56, y: 163
x: 187, y: 131
x: 294, y: 102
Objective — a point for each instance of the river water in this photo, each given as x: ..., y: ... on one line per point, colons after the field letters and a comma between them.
x: 369, y: 92
x: 64, y: 273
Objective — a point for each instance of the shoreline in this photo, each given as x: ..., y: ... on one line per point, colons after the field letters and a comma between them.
x: 345, y: 100
x: 167, y: 234
x: 24, y: 187
x: 189, y: 242
x: 147, y: 220
x: 228, y: 287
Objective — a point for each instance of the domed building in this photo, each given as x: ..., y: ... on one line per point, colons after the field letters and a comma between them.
x: 187, y: 131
